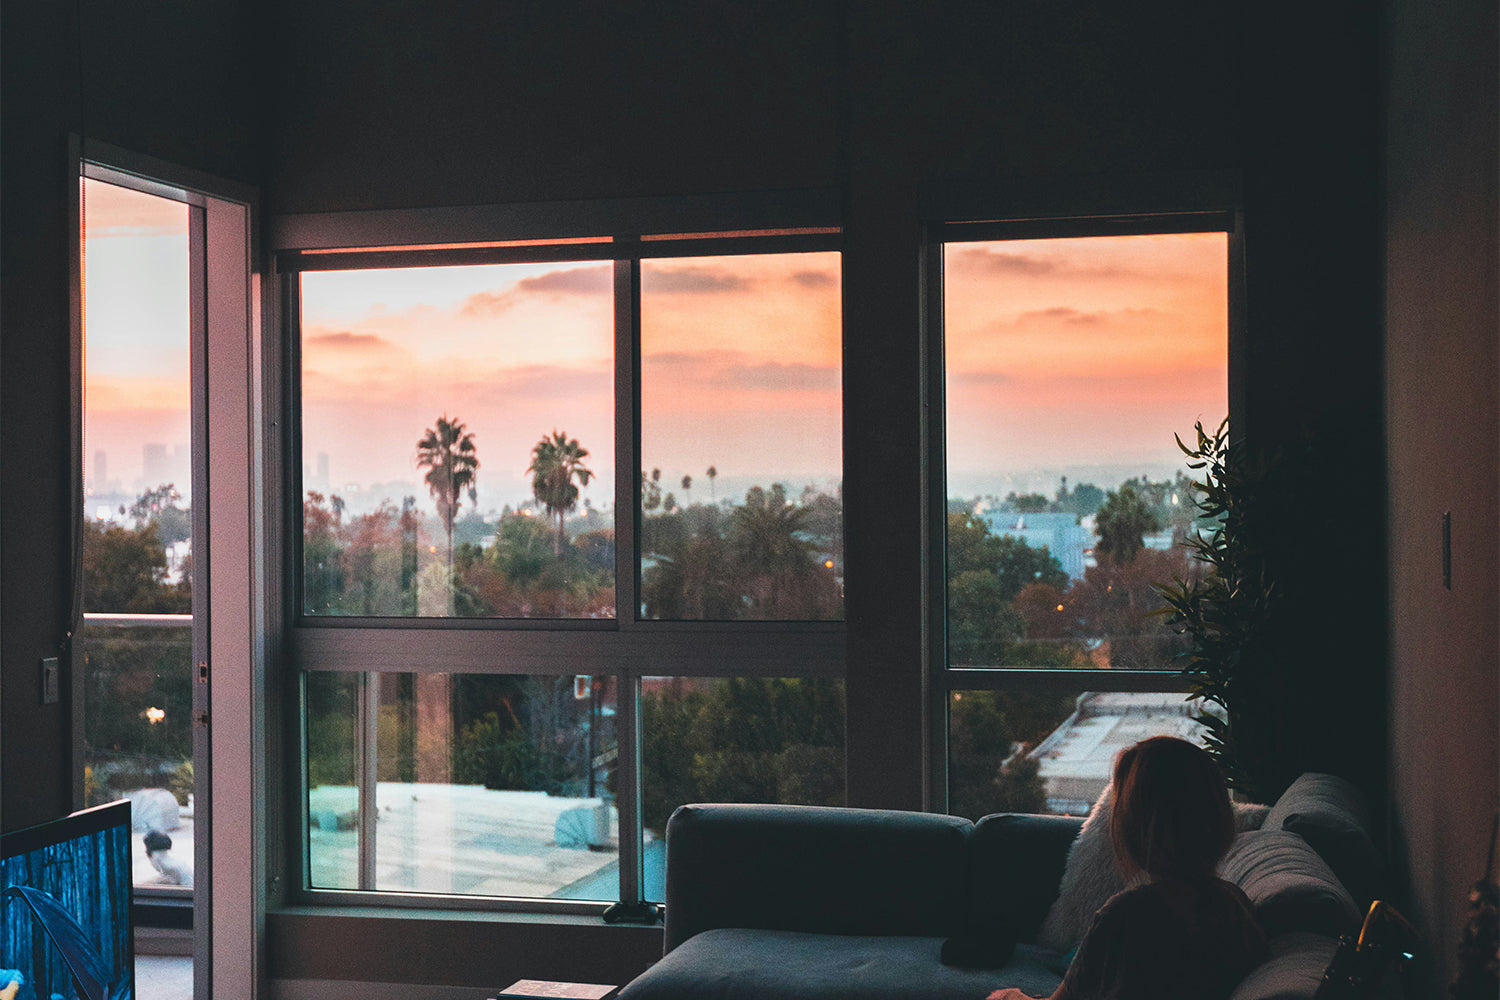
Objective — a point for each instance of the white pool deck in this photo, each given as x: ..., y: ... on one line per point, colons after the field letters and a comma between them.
x: 456, y: 839
x: 451, y: 839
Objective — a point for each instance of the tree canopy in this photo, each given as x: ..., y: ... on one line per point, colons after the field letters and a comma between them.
x: 1122, y: 524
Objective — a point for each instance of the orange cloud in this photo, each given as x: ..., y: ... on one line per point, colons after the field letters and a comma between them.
x: 593, y: 279
x: 345, y: 339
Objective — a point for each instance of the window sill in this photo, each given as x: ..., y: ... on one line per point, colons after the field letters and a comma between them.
x: 454, y: 947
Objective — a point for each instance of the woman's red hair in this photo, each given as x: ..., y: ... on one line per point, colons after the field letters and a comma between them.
x: 1171, y: 811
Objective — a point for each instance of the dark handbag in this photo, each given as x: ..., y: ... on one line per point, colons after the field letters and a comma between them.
x: 1360, y: 964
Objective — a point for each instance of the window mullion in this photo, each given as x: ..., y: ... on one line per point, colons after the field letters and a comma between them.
x: 627, y: 279
x: 628, y: 788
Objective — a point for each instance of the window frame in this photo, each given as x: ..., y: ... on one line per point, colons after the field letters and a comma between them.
x: 231, y: 632
x: 944, y: 680
x: 626, y: 648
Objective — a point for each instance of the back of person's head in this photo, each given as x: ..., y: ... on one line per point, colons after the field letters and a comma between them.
x: 1171, y: 812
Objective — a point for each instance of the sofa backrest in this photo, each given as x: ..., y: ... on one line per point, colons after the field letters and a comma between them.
x: 1333, y: 816
x: 1016, y: 861
x: 816, y: 869
x: 1289, y: 886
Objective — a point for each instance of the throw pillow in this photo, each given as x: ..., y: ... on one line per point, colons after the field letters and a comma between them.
x: 1331, y: 814
x: 1090, y: 875
x: 1089, y: 878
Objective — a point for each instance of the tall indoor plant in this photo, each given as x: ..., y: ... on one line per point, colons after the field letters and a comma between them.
x: 1229, y: 610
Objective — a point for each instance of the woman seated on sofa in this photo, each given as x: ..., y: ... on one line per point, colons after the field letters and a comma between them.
x: 1185, y: 934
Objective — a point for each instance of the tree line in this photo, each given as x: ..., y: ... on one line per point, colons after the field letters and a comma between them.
x: 765, y: 558
x: 1010, y: 604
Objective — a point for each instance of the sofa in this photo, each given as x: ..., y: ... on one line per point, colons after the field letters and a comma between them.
x: 797, y: 902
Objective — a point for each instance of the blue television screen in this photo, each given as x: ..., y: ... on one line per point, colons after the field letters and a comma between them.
x: 65, y: 893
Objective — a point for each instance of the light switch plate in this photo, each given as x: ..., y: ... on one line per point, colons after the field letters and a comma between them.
x: 51, y: 680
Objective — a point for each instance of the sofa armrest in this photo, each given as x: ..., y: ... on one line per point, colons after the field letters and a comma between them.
x: 815, y: 869
x: 1017, y: 861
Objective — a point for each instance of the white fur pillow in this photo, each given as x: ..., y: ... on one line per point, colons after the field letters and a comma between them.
x: 1089, y: 879
x: 1090, y: 876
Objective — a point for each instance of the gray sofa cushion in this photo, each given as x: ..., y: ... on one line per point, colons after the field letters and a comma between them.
x: 1331, y: 814
x: 739, y: 964
x: 1291, y: 972
x: 1295, y: 968
x: 1289, y: 885
x: 815, y: 869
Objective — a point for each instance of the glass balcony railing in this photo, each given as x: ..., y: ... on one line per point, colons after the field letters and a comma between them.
x: 138, y: 735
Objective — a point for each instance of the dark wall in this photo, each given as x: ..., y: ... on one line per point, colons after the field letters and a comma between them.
x: 171, y: 80
x: 396, y: 105
x: 1313, y: 370
x: 1443, y: 384
x: 34, y: 336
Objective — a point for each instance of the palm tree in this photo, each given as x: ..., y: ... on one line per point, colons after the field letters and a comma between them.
x: 555, y: 461
x: 687, y: 490
x: 765, y: 546
x: 447, y: 453
x: 712, y: 474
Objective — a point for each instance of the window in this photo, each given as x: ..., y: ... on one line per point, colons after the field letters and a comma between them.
x: 1069, y: 363
x: 167, y: 609
x: 740, y: 401
x: 569, y: 554
x: 430, y: 397
x: 135, y: 646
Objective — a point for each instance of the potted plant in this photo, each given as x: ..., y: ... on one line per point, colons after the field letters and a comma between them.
x: 1229, y: 610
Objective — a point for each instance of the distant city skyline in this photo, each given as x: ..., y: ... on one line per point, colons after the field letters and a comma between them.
x: 1063, y: 356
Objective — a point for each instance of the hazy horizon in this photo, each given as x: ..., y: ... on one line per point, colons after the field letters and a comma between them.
x: 1076, y: 357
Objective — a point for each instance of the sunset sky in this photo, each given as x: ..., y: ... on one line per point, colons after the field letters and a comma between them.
x: 1081, y: 357
x: 740, y: 369
x: 1077, y: 357
x: 136, y: 382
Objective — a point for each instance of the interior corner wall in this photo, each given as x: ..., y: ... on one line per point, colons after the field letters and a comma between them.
x: 34, y: 336
x: 1443, y: 415
x: 1313, y: 382
x: 170, y: 80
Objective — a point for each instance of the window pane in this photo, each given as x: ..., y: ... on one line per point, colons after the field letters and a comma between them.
x: 487, y: 785
x: 138, y: 736
x: 458, y: 441
x: 741, y: 438
x: 1051, y: 752
x: 735, y: 739
x: 137, y: 429
x: 1070, y: 366
x: 137, y: 521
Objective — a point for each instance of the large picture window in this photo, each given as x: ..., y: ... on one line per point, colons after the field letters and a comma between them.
x: 569, y: 553
x: 1068, y: 365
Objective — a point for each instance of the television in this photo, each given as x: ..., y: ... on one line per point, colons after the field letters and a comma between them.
x: 65, y: 893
